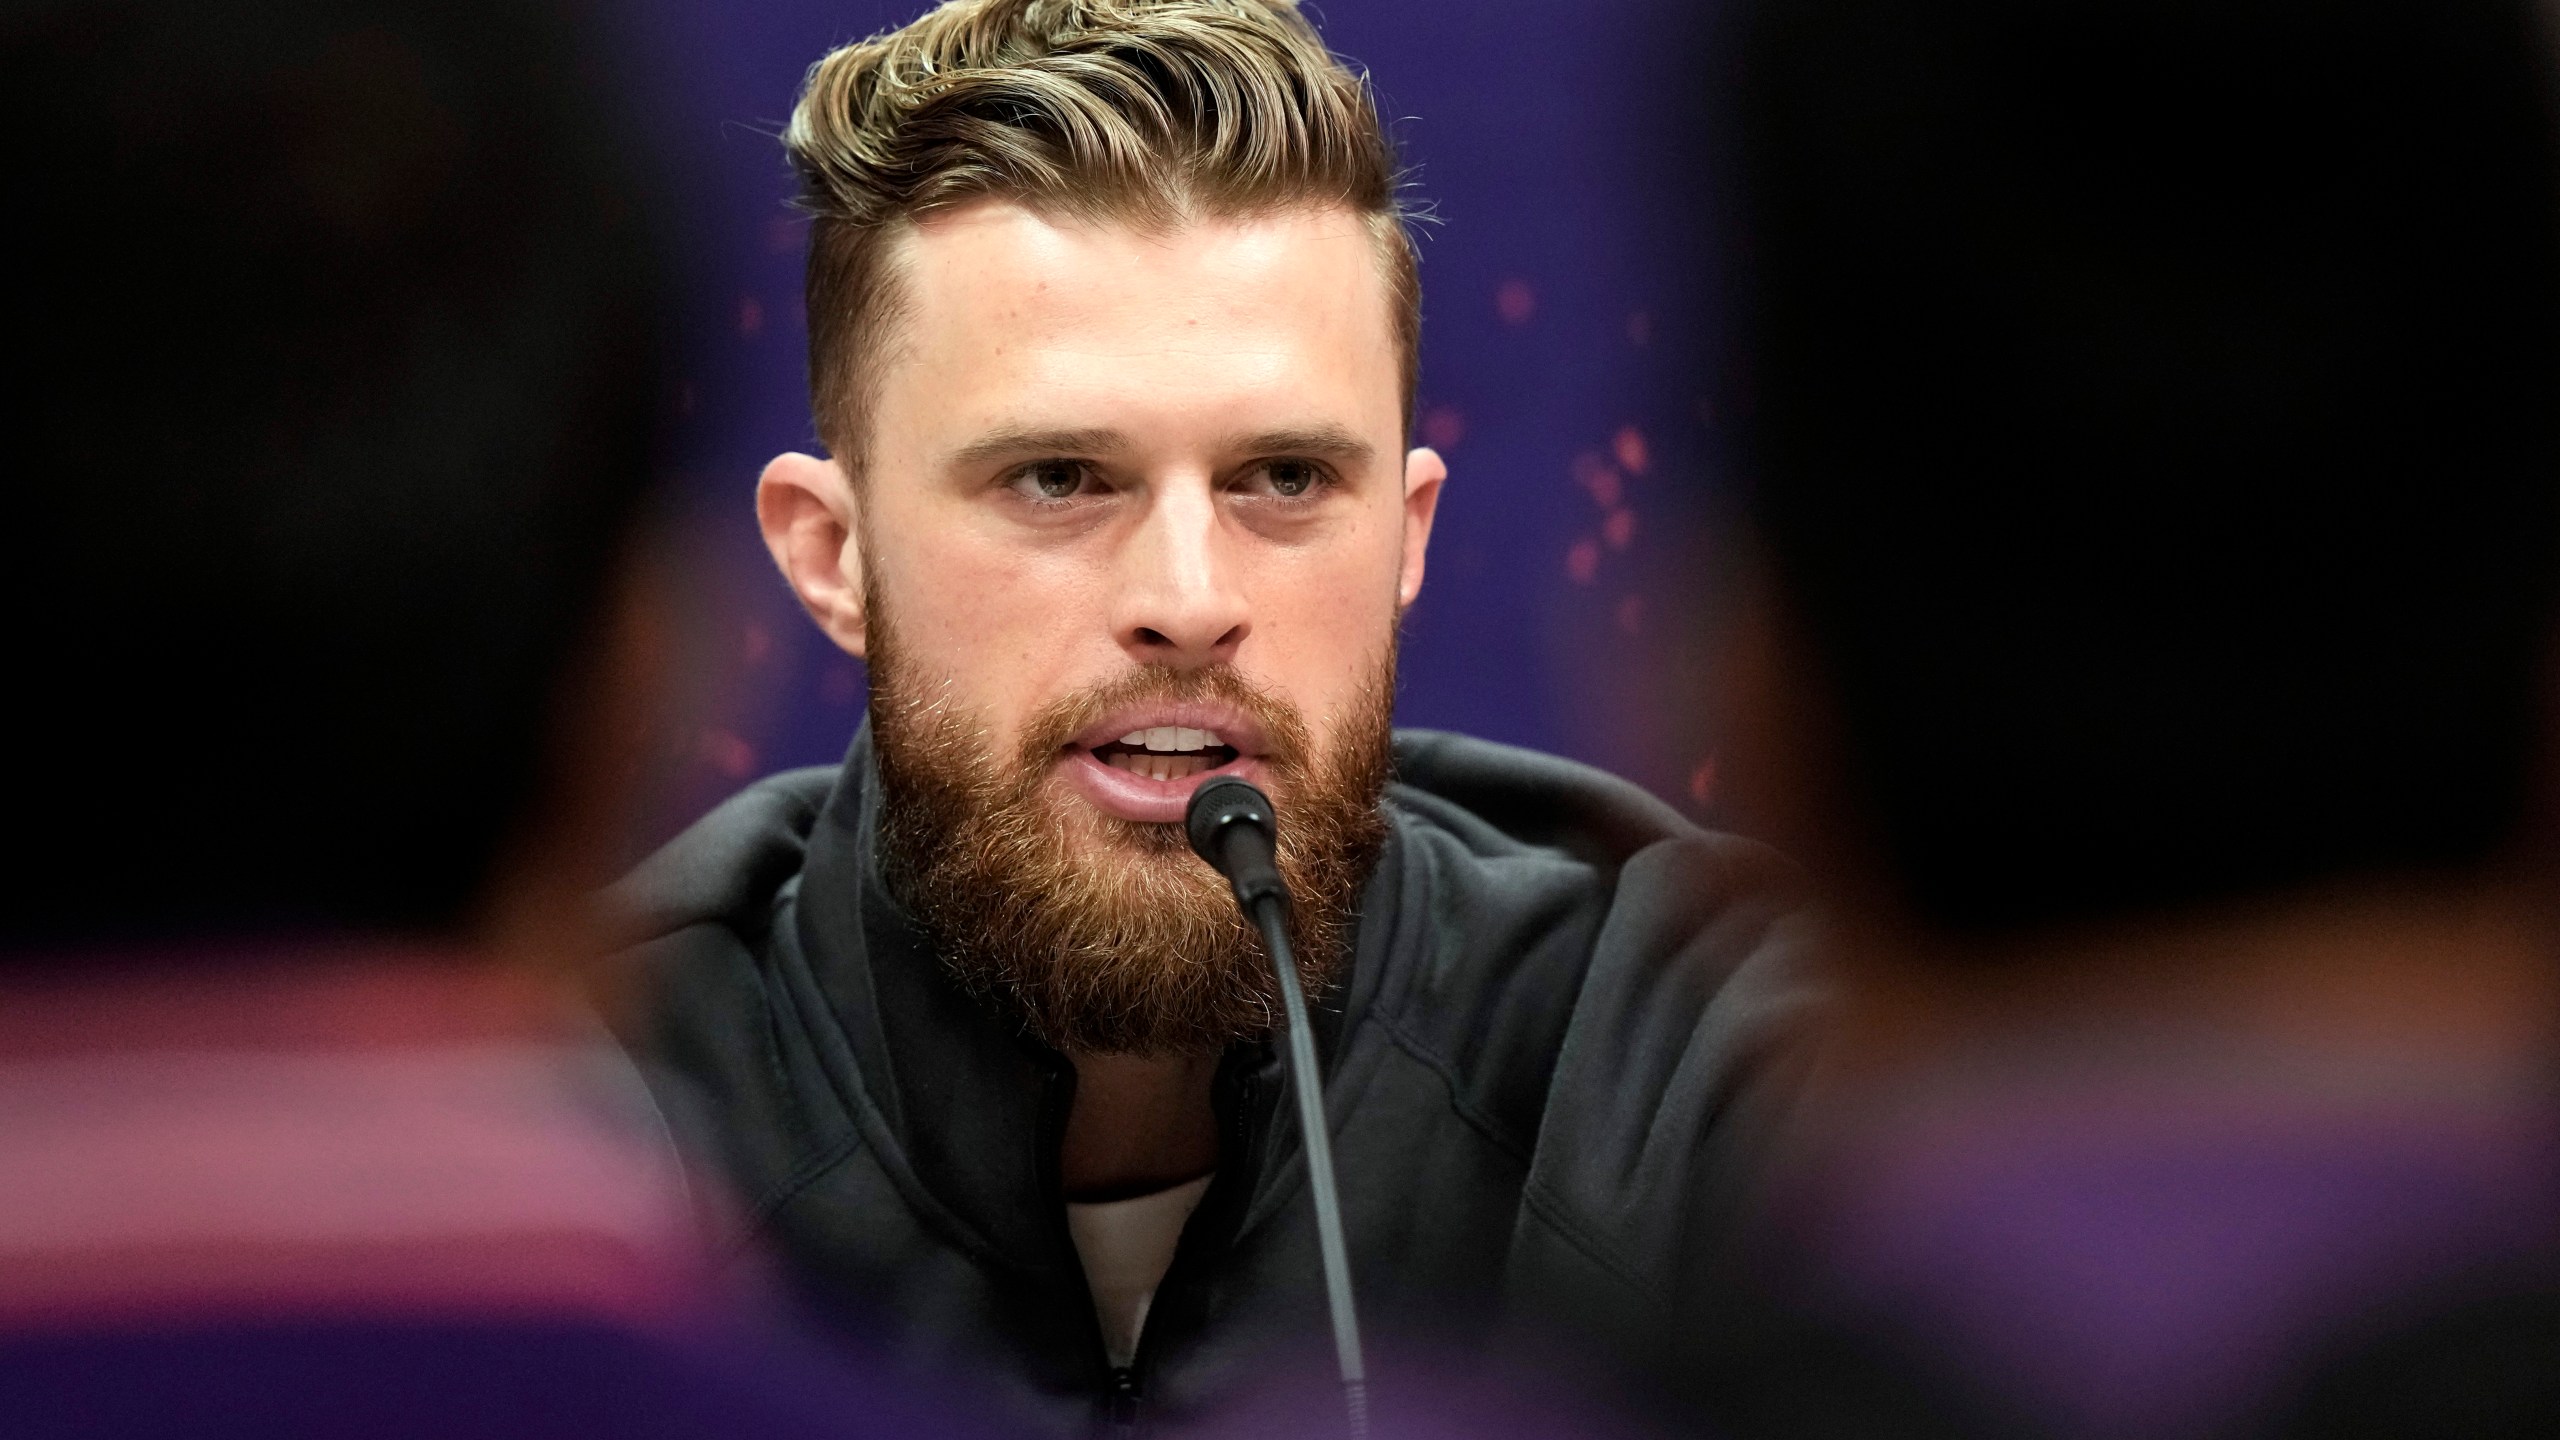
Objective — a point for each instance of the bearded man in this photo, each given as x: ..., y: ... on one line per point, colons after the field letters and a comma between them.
x: 1113, y: 323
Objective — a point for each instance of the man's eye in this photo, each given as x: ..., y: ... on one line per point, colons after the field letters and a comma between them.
x: 1291, y: 479
x: 1051, y: 479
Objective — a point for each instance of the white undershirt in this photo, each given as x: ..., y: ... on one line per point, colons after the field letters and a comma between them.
x: 1126, y: 1246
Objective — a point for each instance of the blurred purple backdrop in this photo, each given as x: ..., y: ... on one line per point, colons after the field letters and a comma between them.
x: 1560, y: 371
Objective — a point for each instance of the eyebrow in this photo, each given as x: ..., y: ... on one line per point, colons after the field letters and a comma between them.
x: 1324, y: 441
x: 1016, y: 440
x: 1316, y: 442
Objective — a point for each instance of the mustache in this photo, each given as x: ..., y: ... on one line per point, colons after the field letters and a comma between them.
x: 1032, y: 901
x: 1050, y: 729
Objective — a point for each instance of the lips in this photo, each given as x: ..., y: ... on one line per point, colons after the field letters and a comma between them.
x: 1142, y: 763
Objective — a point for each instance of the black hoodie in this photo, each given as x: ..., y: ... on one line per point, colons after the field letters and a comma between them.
x: 1564, y: 1004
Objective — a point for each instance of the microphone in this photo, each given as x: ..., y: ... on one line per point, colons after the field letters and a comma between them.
x: 1232, y: 827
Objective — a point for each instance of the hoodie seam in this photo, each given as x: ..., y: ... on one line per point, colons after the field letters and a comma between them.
x: 1541, y: 1203
x: 807, y: 1173
x: 871, y: 1131
x: 1533, y: 1196
x: 1482, y: 1124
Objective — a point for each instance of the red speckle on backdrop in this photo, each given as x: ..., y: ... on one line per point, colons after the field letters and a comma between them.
x: 1702, y: 781
x: 1619, y: 529
x: 783, y: 234
x: 1630, y: 614
x: 1596, y: 478
x: 750, y: 315
x: 1443, y: 426
x: 723, y: 751
x: 1582, y: 562
x: 756, y: 644
x: 1639, y: 329
x: 1514, y: 301
x: 1634, y: 455
x: 839, y: 686
x: 687, y: 398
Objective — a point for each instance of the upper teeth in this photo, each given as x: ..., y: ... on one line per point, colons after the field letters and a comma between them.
x: 1172, y: 737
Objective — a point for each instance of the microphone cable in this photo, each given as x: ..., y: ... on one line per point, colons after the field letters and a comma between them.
x: 1231, y: 826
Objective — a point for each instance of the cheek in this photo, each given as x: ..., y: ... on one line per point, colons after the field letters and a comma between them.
x: 1325, y: 629
x: 1000, y: 629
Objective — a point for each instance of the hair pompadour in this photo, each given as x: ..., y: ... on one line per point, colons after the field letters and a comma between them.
x: 1145, y: 112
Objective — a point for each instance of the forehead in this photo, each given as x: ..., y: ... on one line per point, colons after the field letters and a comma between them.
x: 1010, y: 316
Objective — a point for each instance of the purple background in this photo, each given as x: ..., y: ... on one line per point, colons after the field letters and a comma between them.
x: 1559, y: 378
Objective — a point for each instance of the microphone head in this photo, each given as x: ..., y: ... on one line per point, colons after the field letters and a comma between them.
x: 1221, y: 804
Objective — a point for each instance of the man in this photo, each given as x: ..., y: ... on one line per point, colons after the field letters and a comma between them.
x: 1113, y: 326
x: 2149, y: 653
x: 328, y: 467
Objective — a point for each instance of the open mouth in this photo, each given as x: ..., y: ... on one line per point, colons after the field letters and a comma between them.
x: 1166, y: 752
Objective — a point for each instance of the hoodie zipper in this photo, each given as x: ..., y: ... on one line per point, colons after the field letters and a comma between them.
x: 1123, y: 1407
x: 1121, y: 1393
x: 1125, y: 1399
x: 1122, y: 1399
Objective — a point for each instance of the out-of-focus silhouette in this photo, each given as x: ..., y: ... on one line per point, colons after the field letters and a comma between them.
x: 2144, y: 639
x: 329, y: 445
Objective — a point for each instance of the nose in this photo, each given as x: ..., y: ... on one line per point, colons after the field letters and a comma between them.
x: 1179, y: 602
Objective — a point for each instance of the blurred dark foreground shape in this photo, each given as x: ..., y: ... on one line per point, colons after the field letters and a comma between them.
x: 329, y: 441
x: 2147, y: 643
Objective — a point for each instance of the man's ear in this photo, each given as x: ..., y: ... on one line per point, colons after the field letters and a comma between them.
x: 812, y: 522
x: 1424, y: 471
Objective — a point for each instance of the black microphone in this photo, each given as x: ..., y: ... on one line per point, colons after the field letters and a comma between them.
x: 1232, y: 827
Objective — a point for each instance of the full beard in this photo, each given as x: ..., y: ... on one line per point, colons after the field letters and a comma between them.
x: 1102, y: 935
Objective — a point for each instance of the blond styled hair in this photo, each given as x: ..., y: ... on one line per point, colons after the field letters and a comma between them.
x: 1143, y: 112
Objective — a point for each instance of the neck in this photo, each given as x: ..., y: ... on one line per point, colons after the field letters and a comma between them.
x: 1140, y: 1124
